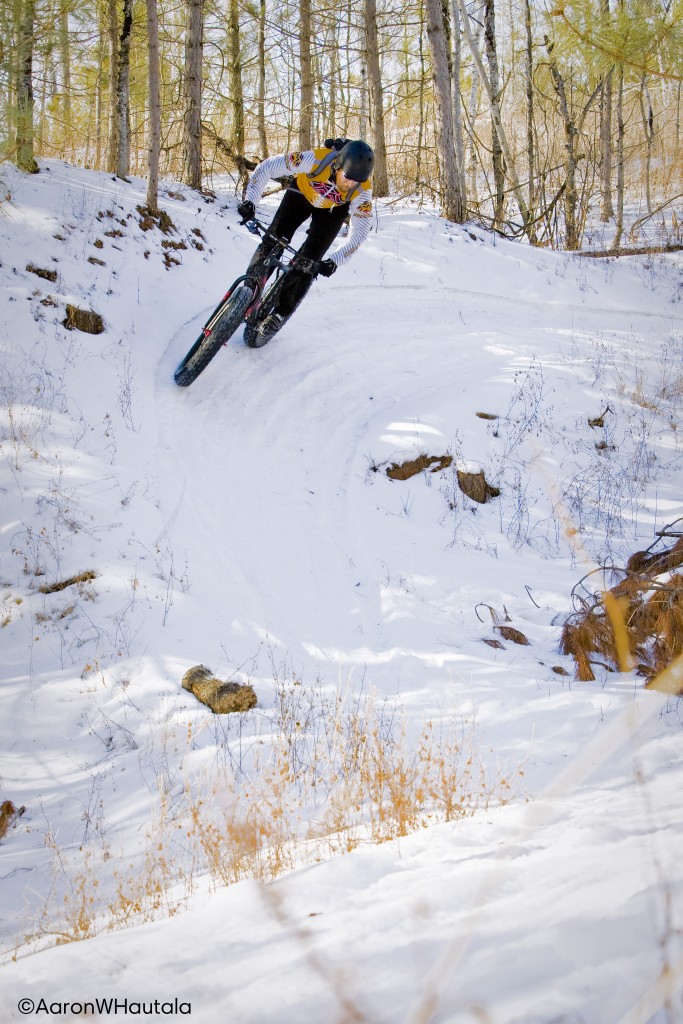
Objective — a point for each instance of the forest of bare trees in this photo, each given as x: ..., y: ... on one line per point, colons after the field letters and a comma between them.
x: 531, y: 118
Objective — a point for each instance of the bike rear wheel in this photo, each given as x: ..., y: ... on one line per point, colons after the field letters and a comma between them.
x: 271, y: 298
x: 225, y: 322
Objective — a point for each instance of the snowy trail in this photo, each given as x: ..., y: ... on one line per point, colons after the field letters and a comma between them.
x: 305, y: 574
x: 297, y: 547
x: 247, y: 522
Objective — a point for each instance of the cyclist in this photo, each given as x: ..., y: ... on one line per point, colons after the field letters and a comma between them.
x: 330, y: 184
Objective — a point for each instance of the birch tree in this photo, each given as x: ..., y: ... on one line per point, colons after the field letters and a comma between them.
x: 498, y: 125
x: 456, y: 98
x: 573, y: 124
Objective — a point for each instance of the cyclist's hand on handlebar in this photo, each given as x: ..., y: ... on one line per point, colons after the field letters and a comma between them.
x: 247, y: 211
x: 327, y: 268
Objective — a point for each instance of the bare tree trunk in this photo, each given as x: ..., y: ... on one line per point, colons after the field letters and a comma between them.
x: 334, y: 78
x: 48, y: 85
x: 494, y: 79
x: 449, y: 180
x: 192, y: 139
x: 380, y: 178
x: 620, y: 158
x: 473, y: 41
x: 363, y: 112
x: 498, y: 124
x: 607, y: 209
x: 320, y: 115
x: 236, y: 91
x: 24, y: 124
x: 529, y: 85
x: 456, y: 99
x: 572, y: 130
x: 65, y: 57
x: 113, y: 40
x: 306, y: 71
x: 99, y: 99
x: 648, y: 116
x: 261, y: 87
x: 421, y: 104
x: 123, y: 93
x: 570, y: 195
x: 152, y: 199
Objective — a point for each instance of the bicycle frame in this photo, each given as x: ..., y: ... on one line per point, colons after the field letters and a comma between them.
x: 272, y: 262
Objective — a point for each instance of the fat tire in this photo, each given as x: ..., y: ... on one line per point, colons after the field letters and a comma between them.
x: 207, y: 346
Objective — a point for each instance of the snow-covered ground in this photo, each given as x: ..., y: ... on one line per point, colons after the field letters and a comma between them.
x: 248, y: 523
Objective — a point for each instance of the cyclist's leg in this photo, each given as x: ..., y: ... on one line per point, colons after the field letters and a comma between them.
x: 290, y: 215
x: 293, y: 210
x: 324, y: 228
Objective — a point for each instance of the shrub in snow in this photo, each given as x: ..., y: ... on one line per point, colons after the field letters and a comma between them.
x: 222, y: 698
x: 83, y: 320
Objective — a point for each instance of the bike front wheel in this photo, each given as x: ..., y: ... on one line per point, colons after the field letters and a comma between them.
x: 219, y: 329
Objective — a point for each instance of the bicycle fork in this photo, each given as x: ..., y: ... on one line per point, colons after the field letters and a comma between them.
x: 207, y: 329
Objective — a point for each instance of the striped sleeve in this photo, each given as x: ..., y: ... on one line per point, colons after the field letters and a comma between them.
x: 361, y: 222
x: 277, y: 167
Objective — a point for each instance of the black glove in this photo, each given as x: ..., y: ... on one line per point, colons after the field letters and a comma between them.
x: 327, y: 268
x: 247, y: 211
x: 335, y: 143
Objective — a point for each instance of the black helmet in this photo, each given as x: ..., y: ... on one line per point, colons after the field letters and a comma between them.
x: 356, y: 160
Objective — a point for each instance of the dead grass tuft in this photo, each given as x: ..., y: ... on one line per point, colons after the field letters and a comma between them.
x: 55, y: 588
x: 47, y: 275
x: 156, y: 218
x: 335, y: 777
x: 85, y: 320
x: 8, y: 815
x: 222, y: 697
x: 648, y: 597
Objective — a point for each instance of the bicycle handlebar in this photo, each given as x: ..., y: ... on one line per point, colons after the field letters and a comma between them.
x: 257, y: 228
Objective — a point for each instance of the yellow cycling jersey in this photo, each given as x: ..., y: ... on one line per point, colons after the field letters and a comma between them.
x: 320, y: 188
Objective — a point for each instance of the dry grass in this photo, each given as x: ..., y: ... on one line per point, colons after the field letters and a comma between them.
x: 332, y: 775
x: 8, y: 816
x: 648, y: 598
x: 362, y: 781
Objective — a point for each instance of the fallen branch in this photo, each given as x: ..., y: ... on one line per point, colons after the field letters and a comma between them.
x: 54, y: 588
x: 649, y: 250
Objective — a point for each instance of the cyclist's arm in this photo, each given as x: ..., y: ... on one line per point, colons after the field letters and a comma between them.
x: 360, y: 211
x: 278, y: 167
